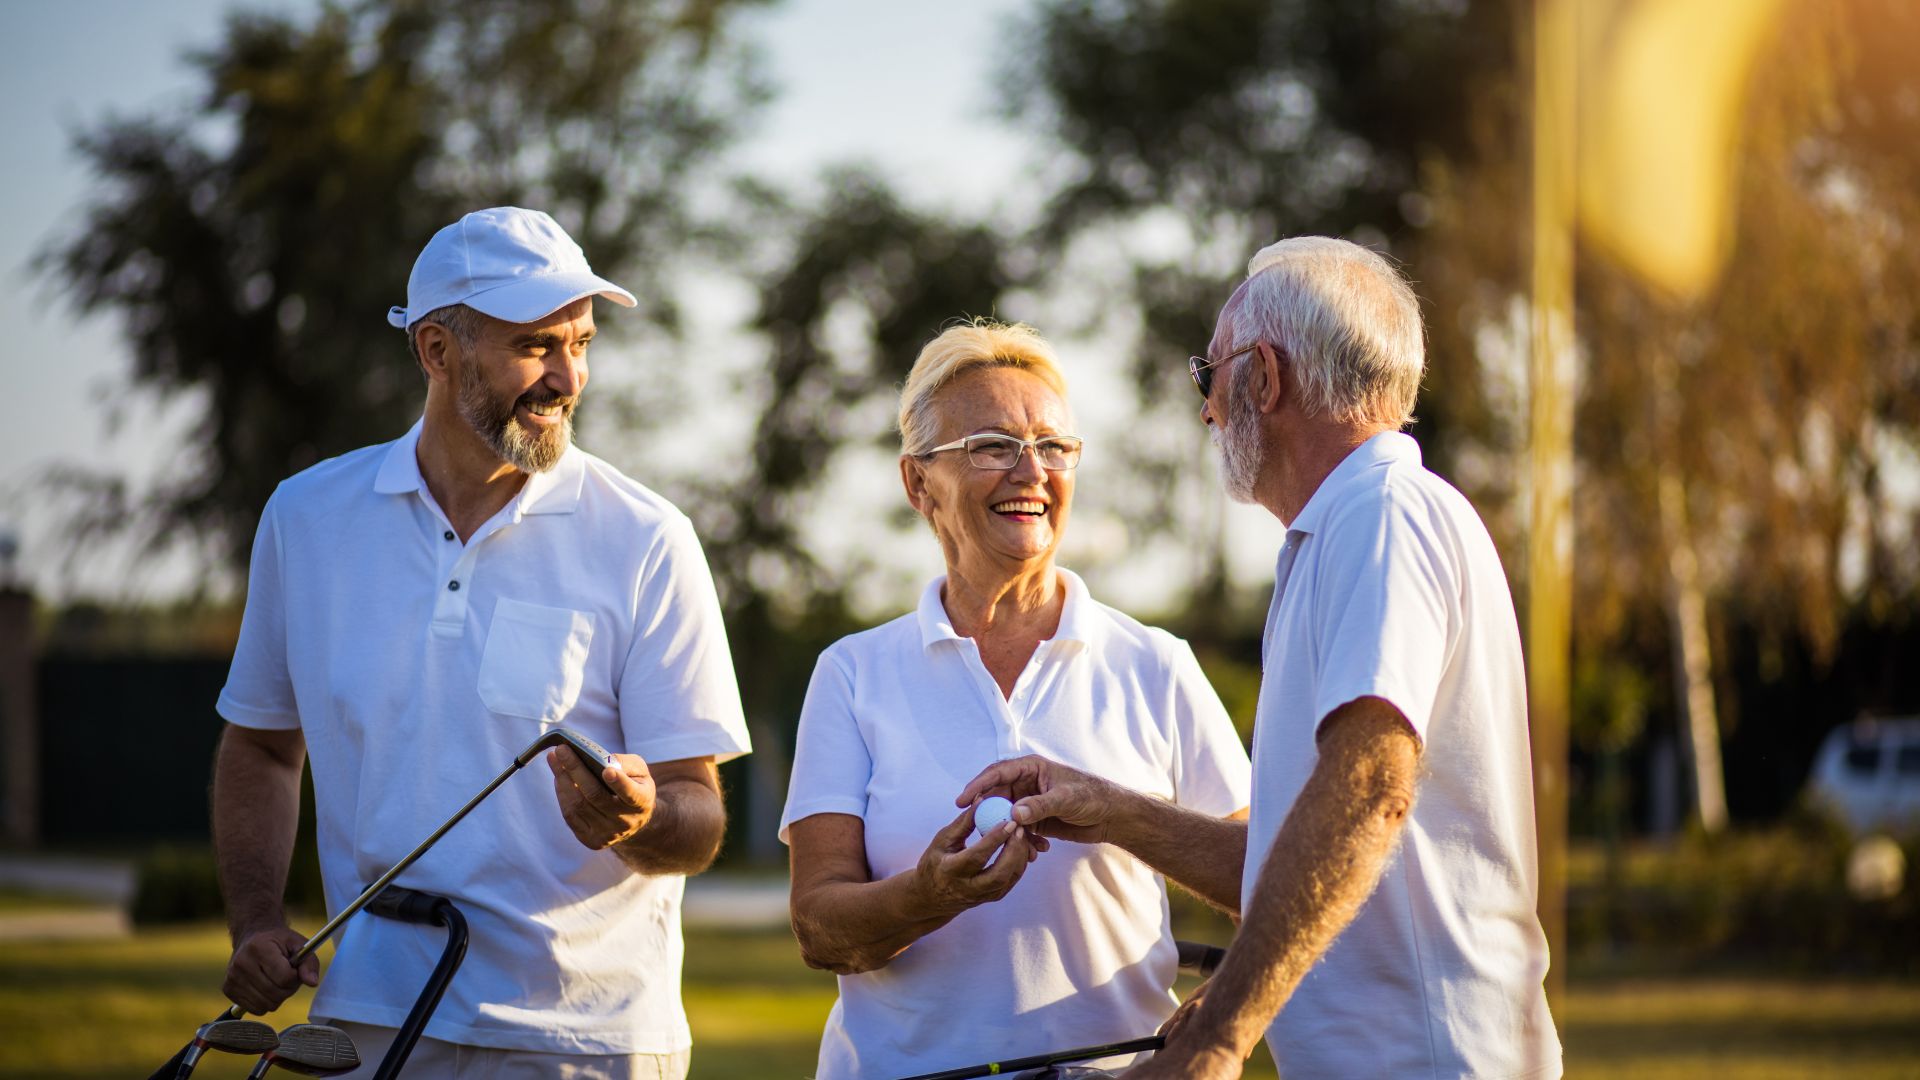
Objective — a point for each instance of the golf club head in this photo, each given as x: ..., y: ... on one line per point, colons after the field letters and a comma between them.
x: 274, y: 1061
x: 590, y: 753
x: 237, y: 1036
x: 314, y: 1050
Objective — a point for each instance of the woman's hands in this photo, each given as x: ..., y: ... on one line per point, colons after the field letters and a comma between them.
x: 954, y: 875
x: 848, y: 923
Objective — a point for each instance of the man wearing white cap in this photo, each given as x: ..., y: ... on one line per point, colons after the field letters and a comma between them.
x: 419, y: 611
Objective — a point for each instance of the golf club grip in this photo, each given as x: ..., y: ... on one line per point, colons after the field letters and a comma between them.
x: 1083, y: 1053
x: 406, y: 905
x: 1200, y: 958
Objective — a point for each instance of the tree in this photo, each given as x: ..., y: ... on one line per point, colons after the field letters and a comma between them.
x: 252, y: 250
x: 1208, y: 130
x: 897, y: 276
x: 1734, y: 456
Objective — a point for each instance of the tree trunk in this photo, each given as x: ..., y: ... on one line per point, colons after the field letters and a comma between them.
x: 1692, y: 654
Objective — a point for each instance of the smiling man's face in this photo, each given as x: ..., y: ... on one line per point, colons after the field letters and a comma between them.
x: 520, y: 384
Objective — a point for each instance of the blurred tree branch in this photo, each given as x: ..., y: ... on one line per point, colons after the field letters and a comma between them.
x: 251, y: 250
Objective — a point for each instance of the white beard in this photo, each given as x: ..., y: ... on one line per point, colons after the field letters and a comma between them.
x: 1242, y: 454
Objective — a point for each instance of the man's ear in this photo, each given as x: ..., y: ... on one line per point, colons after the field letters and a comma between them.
x: 437, y: 348
x: 1269, y: 378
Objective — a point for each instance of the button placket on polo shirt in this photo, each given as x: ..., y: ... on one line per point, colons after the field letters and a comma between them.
x: 456, y: 580
x: 1006, y: 724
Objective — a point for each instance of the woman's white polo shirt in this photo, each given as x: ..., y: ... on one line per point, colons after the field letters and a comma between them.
x: 899, y: 718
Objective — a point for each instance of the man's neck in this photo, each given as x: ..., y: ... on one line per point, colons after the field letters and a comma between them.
x: 1301, y: 463
x: 462, y: 473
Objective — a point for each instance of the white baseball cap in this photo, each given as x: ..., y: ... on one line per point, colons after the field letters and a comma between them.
x: 516, y: 265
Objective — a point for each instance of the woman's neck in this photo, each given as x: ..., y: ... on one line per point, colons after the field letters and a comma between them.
x: 1025, y: 604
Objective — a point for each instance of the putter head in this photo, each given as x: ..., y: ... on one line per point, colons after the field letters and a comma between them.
x: 237, y: 1037
x: 315, y: 1050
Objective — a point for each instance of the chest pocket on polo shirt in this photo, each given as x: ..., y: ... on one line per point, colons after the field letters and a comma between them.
x: 535, y: 660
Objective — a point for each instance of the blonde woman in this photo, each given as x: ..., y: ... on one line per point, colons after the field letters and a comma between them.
x: 953, y: 947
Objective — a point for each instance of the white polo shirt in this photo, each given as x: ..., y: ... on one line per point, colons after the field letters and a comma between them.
x: 899, y: 718
x: 418, y: 666
x: 1389, y: 586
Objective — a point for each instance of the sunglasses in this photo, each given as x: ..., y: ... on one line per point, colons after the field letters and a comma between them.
x: 1201, y: 368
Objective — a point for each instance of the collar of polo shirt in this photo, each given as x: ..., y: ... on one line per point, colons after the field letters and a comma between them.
x: 555, y: 491
x: 1383, y: 449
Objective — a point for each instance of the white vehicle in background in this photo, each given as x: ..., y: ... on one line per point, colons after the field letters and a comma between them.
x: 1869, y: 771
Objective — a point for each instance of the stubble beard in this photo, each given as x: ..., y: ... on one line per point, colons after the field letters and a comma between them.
x: 497, y: 424
x: 1242, y: 454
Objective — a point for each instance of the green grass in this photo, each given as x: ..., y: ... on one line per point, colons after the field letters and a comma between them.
x: 756, y: 1012
x: 34, y: 903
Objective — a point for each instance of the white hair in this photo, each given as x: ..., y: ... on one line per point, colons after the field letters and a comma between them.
x: 978, y: 343
x: 1344, y: 318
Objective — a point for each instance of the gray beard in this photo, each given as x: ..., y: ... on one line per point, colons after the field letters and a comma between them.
x: 529, y: 451
x: 1241, y: 452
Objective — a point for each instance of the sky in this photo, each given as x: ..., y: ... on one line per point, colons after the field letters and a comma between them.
x: 905, y: 87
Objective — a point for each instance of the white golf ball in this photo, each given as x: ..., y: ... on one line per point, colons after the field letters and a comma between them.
x: 992, y: 811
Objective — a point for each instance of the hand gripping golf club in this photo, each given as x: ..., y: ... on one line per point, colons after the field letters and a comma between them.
x: 407, y: 905
x: 310, y: 1050
x: 228, y: 1036
x: 590, y: 753
x: 1196, y: 958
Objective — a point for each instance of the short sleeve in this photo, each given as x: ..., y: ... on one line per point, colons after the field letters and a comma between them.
x: 831, y: 763
x: 1211, y: 772
x: 678, y: 697
x: 259, y: 690
x: 1389, y: 600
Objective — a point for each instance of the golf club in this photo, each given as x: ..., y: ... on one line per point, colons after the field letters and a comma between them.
x: 1196, y: 958
x: 590, y: 753
x: 228, y: 1036
x: 407, y: 905
x: 310, y: 1050
x: 1041, y: 1061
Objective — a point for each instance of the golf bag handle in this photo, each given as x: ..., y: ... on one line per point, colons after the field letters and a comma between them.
x: 1199, y: 958
x: 423, y: 909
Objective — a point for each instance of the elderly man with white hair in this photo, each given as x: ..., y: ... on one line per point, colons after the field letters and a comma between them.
x: 1386, y: 878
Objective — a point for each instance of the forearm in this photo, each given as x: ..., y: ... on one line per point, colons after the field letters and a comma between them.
x: 848, y: 927
x: 256, y: 813
x: 1205, y: 855
x: 1324, y: 864
x: 683, y: 836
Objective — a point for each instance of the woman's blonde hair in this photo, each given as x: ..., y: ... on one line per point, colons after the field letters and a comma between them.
x: 980, y: 343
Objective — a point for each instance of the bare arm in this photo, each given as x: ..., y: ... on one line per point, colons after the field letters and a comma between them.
x: 847, y: 923
x: 256, y: 812
x: 1324, y: 864
x: 1203, y: 853
x: 663, y: 818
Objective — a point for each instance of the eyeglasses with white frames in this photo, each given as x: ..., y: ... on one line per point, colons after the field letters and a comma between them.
x: 1055, y: 453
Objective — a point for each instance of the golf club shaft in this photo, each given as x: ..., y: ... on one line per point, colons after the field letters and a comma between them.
x: 1084, y: 1053
x: 320, y: 936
